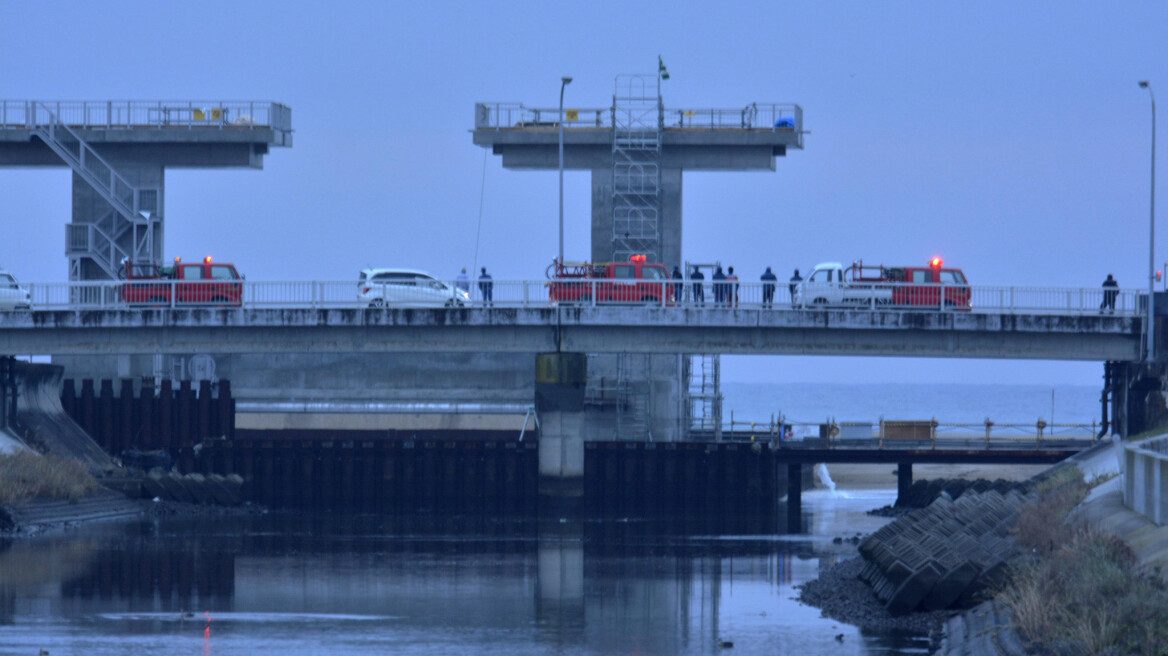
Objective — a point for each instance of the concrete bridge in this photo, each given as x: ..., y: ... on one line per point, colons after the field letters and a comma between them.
x: 588, y: 329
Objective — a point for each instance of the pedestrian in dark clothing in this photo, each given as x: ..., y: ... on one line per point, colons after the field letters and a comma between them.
x: 677, y: 285
x: 719, y: 286
x: 699, y: 283
x: 731, y: 288
x: 1110, y: 291
x: 768, y: 279
x: 486, y: 287
x: 795, y: 280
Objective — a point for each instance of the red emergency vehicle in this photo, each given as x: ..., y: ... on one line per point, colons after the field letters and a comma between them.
x: 185, y: 283
x: 635, y: 281
x: 833, y: 284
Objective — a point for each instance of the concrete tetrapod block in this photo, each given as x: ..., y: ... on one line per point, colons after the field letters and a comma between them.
x: 152, y: 487
x: 176, y: 488
x: 196, y: 484
x: 225, y: 493
x: 952, y: 584
x: 910, y: 593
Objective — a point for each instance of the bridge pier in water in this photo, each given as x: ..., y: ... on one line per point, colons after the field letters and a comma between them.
x: 560, y: 380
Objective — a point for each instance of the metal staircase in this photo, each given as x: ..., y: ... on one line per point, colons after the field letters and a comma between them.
x: 636, y: 167
x: 704, y: 393
x: 132, y: 227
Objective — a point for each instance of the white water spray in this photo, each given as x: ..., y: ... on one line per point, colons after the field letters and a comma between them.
x: 824, y: 476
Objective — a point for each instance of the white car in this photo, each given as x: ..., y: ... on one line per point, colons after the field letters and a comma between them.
x: 407, y: 288
x: 12, y: 295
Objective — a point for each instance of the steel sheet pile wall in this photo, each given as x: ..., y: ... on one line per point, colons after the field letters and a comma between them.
x: 381, y: 474
x: 156, y: 418
x: 698, y: 478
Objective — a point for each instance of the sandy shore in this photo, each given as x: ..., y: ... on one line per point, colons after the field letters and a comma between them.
x: 874, y: 477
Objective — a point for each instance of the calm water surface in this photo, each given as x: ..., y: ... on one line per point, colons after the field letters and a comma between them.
x: 309, y: 584
x: 315, y: 584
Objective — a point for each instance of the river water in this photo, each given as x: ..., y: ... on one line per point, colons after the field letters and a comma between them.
x: 297, y: 583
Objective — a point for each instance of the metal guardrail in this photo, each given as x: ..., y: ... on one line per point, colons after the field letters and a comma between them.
x: 149, y: 114
x: 881, y: 434
x: 755, y: 116
x: 672, y: 295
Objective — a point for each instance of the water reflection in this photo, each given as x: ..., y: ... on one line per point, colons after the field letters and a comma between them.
x: 304, y: 583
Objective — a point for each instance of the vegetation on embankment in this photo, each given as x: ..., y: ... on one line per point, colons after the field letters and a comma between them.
x: 1079, y: 590
x: 27, y: 475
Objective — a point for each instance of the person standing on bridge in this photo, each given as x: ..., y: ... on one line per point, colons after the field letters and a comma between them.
x: 463, y: 281
x: 1110, y: 291
x: 699, y: 284
x: 677, y: 286
x: 768, y: 279
x: 486, y: 287
x: 795, y: 280
x: 731, y: 288
x: 719, y: 286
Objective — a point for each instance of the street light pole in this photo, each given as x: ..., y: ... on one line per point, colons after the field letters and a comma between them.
x: 1151, y: 346
x: 564, y: 81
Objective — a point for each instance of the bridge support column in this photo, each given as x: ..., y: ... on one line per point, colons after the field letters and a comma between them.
x: 794, y: 497
x: 903, y: 479
x: 1138, y: 402
x: 668, y: 222
x: 559, y: 399
x: 93, y: 217
x: 7, y: 392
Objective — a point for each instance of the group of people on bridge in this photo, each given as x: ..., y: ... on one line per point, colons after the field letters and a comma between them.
x: 725, y: 286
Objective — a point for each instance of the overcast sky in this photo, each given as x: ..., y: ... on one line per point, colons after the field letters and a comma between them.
x: 1010, y: 138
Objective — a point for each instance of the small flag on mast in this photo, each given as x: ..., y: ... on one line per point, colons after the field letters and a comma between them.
x: 664, y: 74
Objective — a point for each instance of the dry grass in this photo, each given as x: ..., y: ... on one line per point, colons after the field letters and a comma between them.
x: 27, y: 475
x: 1080, y: 591
x: 1040, y: 526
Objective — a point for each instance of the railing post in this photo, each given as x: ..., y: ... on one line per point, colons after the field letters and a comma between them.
x: 173, y: 293
x: 526, y: 294
x: 593, y: 283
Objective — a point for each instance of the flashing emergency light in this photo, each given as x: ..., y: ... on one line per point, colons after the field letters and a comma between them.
x: 935, y: 262
x: 177, y: 260
x: 207, y: 259
x: 637, y: 258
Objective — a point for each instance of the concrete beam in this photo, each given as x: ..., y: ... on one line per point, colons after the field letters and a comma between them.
x: 230, y: 151
x: 583, y: 330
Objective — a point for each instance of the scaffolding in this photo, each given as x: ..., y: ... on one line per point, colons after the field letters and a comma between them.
x: 704, y: 394
x: 636, y: 167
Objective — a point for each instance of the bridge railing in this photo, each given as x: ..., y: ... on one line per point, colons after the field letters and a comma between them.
x: 927, y: 434
x: 151, y: 114
x: 664, y: 295
x: 755, y: 116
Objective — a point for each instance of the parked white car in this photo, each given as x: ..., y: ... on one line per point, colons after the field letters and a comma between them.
x: 12, y: 295
x: 407, y: 288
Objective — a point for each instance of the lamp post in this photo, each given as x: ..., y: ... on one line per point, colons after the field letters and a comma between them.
x: 1151, y: 346
x: 564, y: 81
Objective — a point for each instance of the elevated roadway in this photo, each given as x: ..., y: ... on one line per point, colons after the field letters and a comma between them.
x: 588, y: 329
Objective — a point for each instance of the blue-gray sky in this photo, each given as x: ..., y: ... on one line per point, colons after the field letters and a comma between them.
x: 1010, y: 138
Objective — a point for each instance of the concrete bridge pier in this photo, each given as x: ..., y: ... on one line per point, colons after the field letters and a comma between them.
x: 560, y: 380
x: 1137, y: 397
x: 904, y: 479
x: 794, y: 497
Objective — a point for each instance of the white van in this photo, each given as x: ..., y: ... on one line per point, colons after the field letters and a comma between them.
x: 12, y: 295
x: 406, y: 288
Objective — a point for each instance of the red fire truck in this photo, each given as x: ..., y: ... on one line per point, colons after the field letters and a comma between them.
x: 635, y: 281
x: 832, y: 283
x: 185, y: 283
